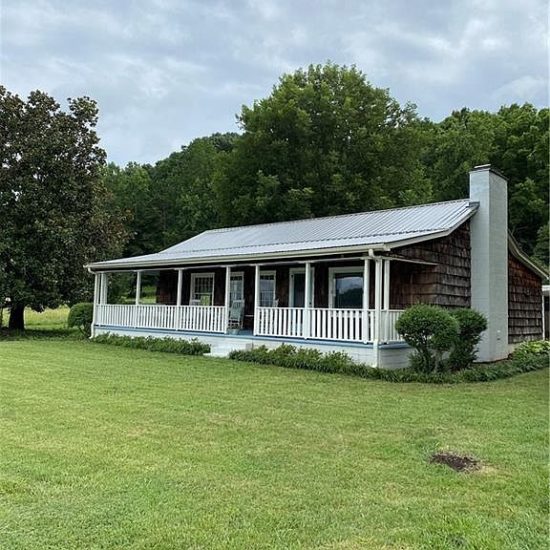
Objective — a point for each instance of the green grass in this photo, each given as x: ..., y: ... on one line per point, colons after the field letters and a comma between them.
x: 105, y: 447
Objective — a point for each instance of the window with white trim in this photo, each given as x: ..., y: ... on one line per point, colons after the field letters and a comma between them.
x: 346, y: 287
x: 267, y: 289
x: 202, y: 289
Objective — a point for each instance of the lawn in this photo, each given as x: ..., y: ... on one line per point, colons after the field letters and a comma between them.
x: 105, y: 447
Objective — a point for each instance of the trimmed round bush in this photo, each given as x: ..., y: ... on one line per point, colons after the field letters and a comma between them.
x: 471, y: 324
x: 81, y: 315
x: 431, y: 331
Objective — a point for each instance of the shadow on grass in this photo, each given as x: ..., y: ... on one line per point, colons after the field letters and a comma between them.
x: 41, y: 334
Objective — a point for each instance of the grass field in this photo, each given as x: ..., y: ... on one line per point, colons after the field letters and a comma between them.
x: 104, y: 447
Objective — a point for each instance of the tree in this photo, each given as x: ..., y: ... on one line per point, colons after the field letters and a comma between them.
x: 182, y: 194
x: 514, y: 140
x: 56, y: 213
x: 324, y: 142
x: 131, y: 188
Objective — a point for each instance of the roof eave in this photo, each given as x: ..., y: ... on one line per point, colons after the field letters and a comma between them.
x: 113, y: 265
x: 516, y: 251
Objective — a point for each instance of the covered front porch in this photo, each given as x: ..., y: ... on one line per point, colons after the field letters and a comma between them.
x: 355, y: 300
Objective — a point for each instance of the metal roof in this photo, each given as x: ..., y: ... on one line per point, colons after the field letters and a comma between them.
x: 379, y: 229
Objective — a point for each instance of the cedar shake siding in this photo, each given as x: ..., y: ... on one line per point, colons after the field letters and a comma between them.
x: 524, y: 302
x: 446, y: 284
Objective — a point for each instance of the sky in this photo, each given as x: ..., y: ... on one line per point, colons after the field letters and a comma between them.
x: 167, y: 71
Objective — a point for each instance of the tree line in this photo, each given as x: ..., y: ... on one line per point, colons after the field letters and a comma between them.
x: 328, y: 142
x: 324, y: 142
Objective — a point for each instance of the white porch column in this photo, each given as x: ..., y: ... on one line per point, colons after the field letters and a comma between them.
x: 96, y: 298
x: 377, y: 307
x: 179, y: 289
x: 307, y: 302
x: 138, y: 287
x: 366, y: 300
x: 104, y: 289
x: 256, y: 297
x: 227, y: 295
x: 543, y: 319
x: 386, y: 299
x: 178, y: 298
x: 137, y: 298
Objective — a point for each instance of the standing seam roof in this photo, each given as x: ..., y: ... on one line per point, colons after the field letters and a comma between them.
x: 385, y: 227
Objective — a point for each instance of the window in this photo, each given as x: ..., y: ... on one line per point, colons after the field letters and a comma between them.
x: 267, y: 289
x: 236, y: 287
x: 202, y: 289
x: 346, y: 288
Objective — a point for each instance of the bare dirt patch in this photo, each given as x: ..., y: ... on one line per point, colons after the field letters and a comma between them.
x: 459, y: 463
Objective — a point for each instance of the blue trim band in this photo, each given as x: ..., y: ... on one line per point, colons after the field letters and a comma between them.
x: 395, y: 345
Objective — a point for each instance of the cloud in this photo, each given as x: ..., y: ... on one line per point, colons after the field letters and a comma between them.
x: 166, y: 71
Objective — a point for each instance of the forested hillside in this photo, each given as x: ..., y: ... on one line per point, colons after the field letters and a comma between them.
x: 326, y: 141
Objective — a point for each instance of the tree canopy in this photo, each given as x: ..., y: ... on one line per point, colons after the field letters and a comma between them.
x: 56, y: 213
x: 324, y: 142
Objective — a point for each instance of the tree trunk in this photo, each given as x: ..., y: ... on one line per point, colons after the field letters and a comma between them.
x: 17, y: 317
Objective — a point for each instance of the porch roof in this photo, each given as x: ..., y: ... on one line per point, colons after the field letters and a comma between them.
x: 378, y: 230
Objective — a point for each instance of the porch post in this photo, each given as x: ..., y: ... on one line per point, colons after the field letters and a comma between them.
x: 543, y: 319
x: 179, y: 289
x: 96, y: 297
x: 307, y: 302
x: 366, y: 300
x: 377, y: 308
x: 103, y: 291
x: 138, y: 297
x: 178, y: 299
x: 138, y: 287
x: 227, y: 295
x: 386, y: 300
x: 256, y: 297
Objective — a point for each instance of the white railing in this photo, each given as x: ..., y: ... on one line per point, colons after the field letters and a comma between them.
x: 352, y: 325
x: 280, y: 321
x: 326, y: 324
x: 337, y: 324
x: 387, y: 328
x: 159, y: 316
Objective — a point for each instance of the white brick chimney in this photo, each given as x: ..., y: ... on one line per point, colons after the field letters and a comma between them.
x: 489, y: 243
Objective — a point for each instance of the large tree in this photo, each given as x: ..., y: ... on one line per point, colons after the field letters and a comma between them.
x: 56, y: 213
x: 324, y: 142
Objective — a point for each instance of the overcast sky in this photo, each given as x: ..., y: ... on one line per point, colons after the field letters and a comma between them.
x: 167, y: 71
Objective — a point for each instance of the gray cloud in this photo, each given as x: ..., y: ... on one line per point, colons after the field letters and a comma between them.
x: 166, y: 71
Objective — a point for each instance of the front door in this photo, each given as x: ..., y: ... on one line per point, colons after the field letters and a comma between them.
x: 298, y: 287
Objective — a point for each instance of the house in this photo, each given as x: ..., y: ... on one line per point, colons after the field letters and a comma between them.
x: 338, y: 283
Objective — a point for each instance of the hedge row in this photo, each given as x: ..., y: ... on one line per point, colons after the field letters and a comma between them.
x: 169, y: 345
x: 528, y: 357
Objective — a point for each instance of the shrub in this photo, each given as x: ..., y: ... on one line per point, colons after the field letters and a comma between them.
x: 431, y: 331
x: 169, y: 345
x: 81, y: 315
x: 300, y: 358
x: 471, y: 324
x: 528, y: 357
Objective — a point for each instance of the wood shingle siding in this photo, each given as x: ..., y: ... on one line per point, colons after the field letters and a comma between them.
x: 524, y: 302
x: 446, y: 284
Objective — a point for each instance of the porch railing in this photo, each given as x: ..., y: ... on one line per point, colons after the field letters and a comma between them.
x: 192, y: 318
x: 285, y: 322
x: 326, y: 324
